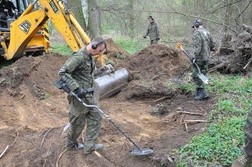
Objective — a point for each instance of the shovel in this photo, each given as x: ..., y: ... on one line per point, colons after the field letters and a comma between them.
x: 201, y: 76
x: 137, y: 151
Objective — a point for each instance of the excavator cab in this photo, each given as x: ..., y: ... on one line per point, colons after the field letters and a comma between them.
x: 6, y: 19
x: 37, y: 45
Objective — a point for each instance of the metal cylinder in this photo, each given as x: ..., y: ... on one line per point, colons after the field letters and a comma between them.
x: 110, y: 84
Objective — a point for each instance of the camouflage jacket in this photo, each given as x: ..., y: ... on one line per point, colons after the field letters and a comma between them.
x: 153, y: 31
x: 78, y: 71
x: 202, y: 44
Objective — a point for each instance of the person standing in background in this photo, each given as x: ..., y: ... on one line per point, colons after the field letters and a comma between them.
x: 152, y: 31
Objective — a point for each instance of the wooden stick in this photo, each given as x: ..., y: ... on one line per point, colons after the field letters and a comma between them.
x: 248, y: 63
x: 194, y: 121
x: 182, y: 119
x: 57, y: 163
x: 191, y: 113
x: 6, y: 148
x: 186, y: 128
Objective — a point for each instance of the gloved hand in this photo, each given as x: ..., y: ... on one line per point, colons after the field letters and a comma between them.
x: 83, y: 92
x: 193, y: 60
x: 108, y: 68
x: 144, y: 36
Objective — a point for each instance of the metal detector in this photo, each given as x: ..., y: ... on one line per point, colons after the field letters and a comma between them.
x: 136, y: 151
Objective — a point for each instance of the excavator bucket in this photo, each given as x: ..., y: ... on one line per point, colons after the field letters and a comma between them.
x: 111, y: 83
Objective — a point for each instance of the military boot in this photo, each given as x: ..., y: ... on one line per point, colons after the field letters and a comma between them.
x: 201, y: 94
x: 74, y: 145
x: 197, y: 91
x: 242, y: 161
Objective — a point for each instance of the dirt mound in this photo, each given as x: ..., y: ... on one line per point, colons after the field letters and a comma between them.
x: 34, y: 112
x: 150, y: 68
x: 114, y: 50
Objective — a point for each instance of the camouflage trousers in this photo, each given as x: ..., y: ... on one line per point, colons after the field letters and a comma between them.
x: 203, y: 66
x: 79, y: 116
x: 248, y: 135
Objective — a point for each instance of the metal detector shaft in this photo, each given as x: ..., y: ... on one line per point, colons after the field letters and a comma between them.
x: 106, y: 116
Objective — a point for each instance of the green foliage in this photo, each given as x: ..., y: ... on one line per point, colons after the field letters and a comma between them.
x: 61, y: 48
x: 119, y: 56
x: 187, y: 87
x: 130, y: 45
x: 171, y: 85
x: 218, y: 143
x: 222, y: 139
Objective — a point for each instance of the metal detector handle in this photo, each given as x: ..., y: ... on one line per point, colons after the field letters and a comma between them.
x: 106, y: 116
x: 61, y: 85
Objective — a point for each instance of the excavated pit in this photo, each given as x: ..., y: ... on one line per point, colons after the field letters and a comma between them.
x: 34, y: 112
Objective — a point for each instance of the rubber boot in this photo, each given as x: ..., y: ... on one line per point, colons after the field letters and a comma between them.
x: 242, y: 161
x: 201, y: 94
x: 75, y: 145
x: 197, y: 91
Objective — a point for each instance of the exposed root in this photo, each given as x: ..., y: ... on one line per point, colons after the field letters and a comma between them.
x: 8, y: 146
x: 45, y: 137
x: 61, y: 154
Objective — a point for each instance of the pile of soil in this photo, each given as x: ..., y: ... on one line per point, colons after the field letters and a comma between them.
x: 34, y: 112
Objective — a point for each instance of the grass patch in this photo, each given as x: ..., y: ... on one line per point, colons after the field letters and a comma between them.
x: 61, y: 48
x: 131, y: 45
x: 221, y: 142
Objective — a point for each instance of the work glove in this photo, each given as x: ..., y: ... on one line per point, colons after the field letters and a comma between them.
x: 193, y: 60
x: 83, y: 92
x: 108, y: 67
x: 61, y: 85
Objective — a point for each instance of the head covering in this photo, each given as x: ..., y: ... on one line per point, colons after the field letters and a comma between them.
x: 197, y: 23
x: 150, y: 17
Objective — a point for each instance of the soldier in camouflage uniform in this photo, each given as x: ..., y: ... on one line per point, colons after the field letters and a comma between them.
x: 152, y: 31
x: 246, y: 159
x: 202, y: 46
x: 78, y: 74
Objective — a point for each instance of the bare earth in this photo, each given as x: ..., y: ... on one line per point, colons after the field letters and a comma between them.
x: 34, y: 112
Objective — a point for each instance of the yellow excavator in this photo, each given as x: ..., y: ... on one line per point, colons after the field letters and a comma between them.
x: 28, y: 33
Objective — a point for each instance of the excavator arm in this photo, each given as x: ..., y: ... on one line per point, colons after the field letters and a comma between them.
x: 28, y: 24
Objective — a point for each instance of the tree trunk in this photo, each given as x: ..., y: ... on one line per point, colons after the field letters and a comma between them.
x: 131, y: 18
x: 94, y: 20
x: 76, y: 7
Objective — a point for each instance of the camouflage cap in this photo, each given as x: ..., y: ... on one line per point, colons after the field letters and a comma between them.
x: 197, y: 23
